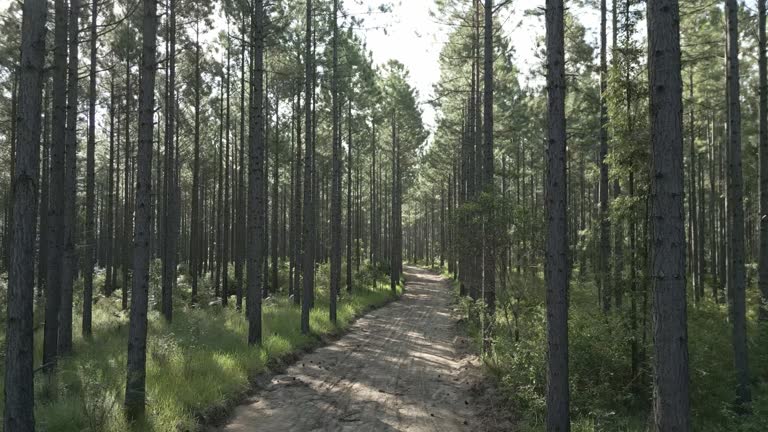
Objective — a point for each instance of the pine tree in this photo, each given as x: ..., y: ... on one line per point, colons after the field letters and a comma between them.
x: 763, y: 153
x: 670, y: 381
x: 135, y: 387
x: 256, y: 180
x: 556, y: 263
x: 489, y: 252
x: 69, y: 268
x: 19, y: 386
x: 90, y: 231
x: 735, y: 209
x: 336, y: 175
x: 308, y: 239
x: 170, y: 222
x: 56, y: 209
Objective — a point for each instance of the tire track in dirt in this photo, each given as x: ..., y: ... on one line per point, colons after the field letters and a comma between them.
x: 397, y: 369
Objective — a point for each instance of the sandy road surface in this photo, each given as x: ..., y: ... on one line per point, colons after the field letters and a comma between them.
x: 398, y: 369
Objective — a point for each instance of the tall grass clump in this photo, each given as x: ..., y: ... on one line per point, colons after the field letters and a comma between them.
x: 605, y: 394
x: 198, y: 366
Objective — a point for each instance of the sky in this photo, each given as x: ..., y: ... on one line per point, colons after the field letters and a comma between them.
x: 411, y: 35
x: 407, y: 34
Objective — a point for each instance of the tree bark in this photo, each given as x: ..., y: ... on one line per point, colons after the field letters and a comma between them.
x: 296, y: 219
x: 19, y: 347
x: 128, y: 168
x: 226, y: 221
x: 605, y: 223
x: 350, y: 214
x: 763, y: 151
x: 241, y: 208
x: 489, y: 252
x: 671, y: 382
x: 735, y: 204
x: 336, y: 174
x: 256, y: 181
x: 375, y: 230
x: 56, y: 178
x: 195, y: 252
x: 274, y: 249
x: 692, y: 200
x: 69, y: 268
x: 556, y: 264
x: 135, y: 392
x: 110, y: 222
x: 170, y: 224
x: 42, y: 259
x: 308, y: 241
x: 90, y: 232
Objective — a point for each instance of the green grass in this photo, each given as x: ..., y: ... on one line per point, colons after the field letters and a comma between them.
x: 604, y: 394
x: 197, y: 367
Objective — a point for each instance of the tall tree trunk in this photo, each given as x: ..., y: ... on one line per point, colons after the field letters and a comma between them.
x: 294, y: 162
x: 19, y: 347
x: 723, y: 231
x: 42, y: 260
x: 275, y: 198
x: 110, y: 222
x: 349, y: 195
x: 226, y: 222
x: 556, y: 263
x: 633, y: 282
x: 218, y: 204
x: 443, y: 238
x: 256, y: 180
x: 375, y: 230
x: 241, y: 208
x: 69, y: 268
x: 452, y: 266
x: 336, y: 175
x: 605, y: 223
x: 170, y: 224
x: 8, y: 204
x: 394, y: 278
x: 90, y: 232
x: 156, y: 203
x: 763, y: 151
x: 265, y: 230
x: 195, y: 252
x: 296, y: 219
x: 135, y: 387
x: 477, y: 162
x: 308, y: 241
x: 671, y: 400
x: 692, y: 199
x: 735, y: 204
x: 489, y: 252
x: 128, y: 168
x: 714, y: 217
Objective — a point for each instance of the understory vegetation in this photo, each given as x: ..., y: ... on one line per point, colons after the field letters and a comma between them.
x: 605, y: 395
x: 197, y: 366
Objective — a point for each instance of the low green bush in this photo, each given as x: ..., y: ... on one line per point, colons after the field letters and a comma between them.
x: 197, y: 366
x: 605, y: 395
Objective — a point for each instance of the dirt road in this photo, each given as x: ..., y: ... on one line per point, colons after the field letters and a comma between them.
x: 398, y: 369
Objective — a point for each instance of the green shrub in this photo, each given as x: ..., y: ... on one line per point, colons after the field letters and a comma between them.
x: 605, y: 396
x: 197, y: 366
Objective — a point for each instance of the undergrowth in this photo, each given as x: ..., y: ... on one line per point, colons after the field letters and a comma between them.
x: 198, y: 366
x: 605, y: 394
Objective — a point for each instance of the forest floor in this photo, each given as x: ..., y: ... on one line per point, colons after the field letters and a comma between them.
x: 404, y: 367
